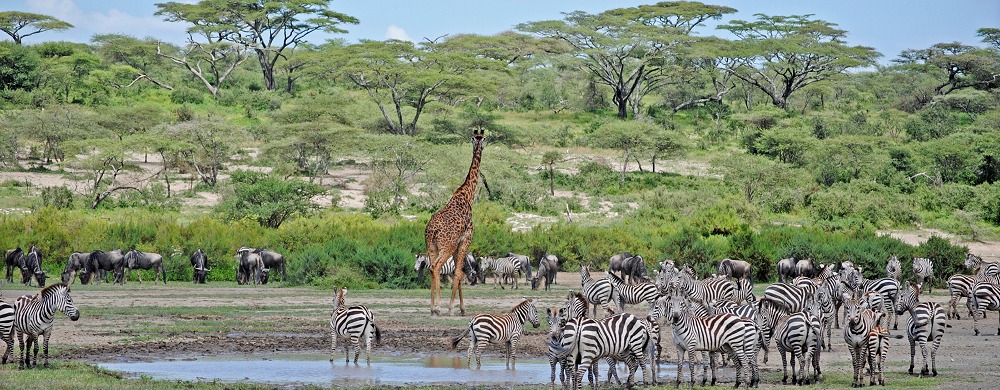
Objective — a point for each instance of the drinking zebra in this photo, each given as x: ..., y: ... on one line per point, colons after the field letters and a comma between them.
x: 508, y: 328
x: 718, y: 333
x: 586, y: 340
x: 33, y: 316
x: 923, y: 269
x: 600, y: 292
x: 893, y: 269
x: 858, y: 324
x: 6, y: 330
x: 925, y: 326
x: 355, y: 323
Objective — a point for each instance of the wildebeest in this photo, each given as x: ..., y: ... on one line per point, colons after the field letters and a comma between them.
x: 13, y: 259
x: 786, y: 269
x: 737, y: 269
x: 199, y: 261
x: 31, y: 265
x: 250, y: 263
x: 272, y: 260
x: 805, y: 268
x: 547, y: 269
x: 448, y: 269
x: 632, y: 267
x: 76, y: 264
x: 553, y: 260
x: 136, y: 260
x: 525, y: 265
x: 101, y: 262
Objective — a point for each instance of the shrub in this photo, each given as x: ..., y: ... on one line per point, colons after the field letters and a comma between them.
x: 184, y: 95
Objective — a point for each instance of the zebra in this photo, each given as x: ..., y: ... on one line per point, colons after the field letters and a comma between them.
x: 600, y: 292
x: 6, y: 330
x: 744, y: 291
x: 586, y: 340
x: 355, y: 323
x: 508, y: 328
x: 33, y: 316
x: 651, y: 324
x: 792, y: 298
x: 858, y: 324
x: 503, y: 268
x: 976, y: 263
x: 878, y: 349
x: 635, y: 293
x: 959, y: 286
x: 713, y: 289
x: 718, y: 333
x: 795, y: 333
x: 556, y: 320
x: 889, y: 289
x: 893, y: 269
x: 985, y: 295
x: 923, y: 269
x: 447, y: 270
x: 576, y: 306
x: 925, y: 326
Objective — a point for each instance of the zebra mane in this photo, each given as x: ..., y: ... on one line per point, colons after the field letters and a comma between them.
x: 51, y: 289
x: 525, y: 302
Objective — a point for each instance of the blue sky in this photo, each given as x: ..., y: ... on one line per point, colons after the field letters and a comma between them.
x: 888, y: 26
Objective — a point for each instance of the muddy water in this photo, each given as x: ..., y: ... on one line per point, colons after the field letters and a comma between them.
x: 318, y: 370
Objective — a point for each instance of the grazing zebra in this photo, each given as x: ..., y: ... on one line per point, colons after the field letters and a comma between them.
x: 889, y: 289
x: 718, y: 333
x: 635, y: 293
x: 503, y: 268
x: 985, y: 295
x: 355, y: 323
x: 858, y: 324
x: 795, y: 333
x: 707, y: 290
x: 6, y: 330
x: 600, y: 292
x: 33, y: 316
x: 981, y: 267
x: 959, y: 286
x: 508, y: 328
x: 893, y: 269
x: 925, y: 326
x: 923, y: 269
x: 878, y: 349
x: 584, y: 341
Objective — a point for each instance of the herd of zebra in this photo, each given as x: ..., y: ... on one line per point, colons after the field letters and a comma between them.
x: 253, y: 265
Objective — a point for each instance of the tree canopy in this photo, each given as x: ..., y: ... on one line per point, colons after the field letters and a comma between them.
x: 24, y: 24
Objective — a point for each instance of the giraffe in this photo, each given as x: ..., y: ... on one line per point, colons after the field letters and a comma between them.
x: 449, y: 231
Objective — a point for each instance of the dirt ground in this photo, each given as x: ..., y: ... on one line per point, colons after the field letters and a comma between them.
x: 296, y: 320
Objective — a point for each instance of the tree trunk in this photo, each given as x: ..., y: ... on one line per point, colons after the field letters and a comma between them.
x: 267, y: 69
x: 552, y: 187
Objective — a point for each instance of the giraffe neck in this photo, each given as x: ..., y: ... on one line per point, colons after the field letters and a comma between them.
x: 467, y: 190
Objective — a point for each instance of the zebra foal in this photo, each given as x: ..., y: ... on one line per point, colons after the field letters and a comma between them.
x: 355, y: 323
x: 507, y: 328
x: 33, y: 316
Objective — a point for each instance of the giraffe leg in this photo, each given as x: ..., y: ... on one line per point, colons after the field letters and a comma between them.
x: 459, y: 256
x: 435, y: 290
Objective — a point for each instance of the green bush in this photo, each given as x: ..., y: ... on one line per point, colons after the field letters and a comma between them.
x: 184, y: 95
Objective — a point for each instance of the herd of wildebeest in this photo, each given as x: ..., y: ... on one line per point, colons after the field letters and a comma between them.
x: 719, y: 315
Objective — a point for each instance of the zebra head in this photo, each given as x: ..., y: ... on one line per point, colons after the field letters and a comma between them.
x: 57, y: 296
x: 852, y: 311
x: 909, y: 298
x: 556, y: 320
x: 972, y: 261
x: 678, y: 308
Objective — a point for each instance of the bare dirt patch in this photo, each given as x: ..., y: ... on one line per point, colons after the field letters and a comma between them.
x: 984, y: 249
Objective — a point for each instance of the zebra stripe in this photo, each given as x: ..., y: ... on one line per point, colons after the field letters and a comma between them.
x: 923, y: 269
x: 981, y: 267
x: 33, y: 316
x: 795, y: 333
x: 585, y: 340
x: 556, y: 320
x: 600, y: 292
x: 488, y: 328
x: 718, y: 333
x: 893, y: 268
x: 985, y: 296
x: 576, y: 306
x: 791, y: 298
x: 503, y: 268
x: 6, y: 330
x: 447, y: 270
x: 706, y: 290
x: 858, y: 324
x: 878, y: 349
x: 925, y: 326
x: 635, y: 293
x: 959, y: 286
x: 889, y: 289
x: 355, y: 323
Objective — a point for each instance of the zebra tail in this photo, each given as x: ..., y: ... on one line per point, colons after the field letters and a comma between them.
x: 457, y: 339
x: 378, y: 334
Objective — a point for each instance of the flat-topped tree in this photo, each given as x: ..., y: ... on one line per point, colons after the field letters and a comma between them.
x: 24, y: 24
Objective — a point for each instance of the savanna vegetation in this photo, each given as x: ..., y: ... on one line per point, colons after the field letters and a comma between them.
x: 631, y: 129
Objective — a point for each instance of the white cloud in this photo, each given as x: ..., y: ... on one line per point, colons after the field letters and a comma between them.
x: 396, y: 32
x: 108, y: 21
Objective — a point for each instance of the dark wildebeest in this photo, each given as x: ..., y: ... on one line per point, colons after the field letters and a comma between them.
x: 736, y: 269
x: 272, y: 260
x: 787, y: 270
x: 76, y: 264
x: 31, y: 265
x: 250, y: 263
x: 547, y: 269
x: 525, y: 265
x: 200, y: 264
x: 448, y: 270
x: 102, y: 262
x: 632, y: 267
x: 554, y: 261
x: 805, y: 268
x: 13, y: 259
x: 136, y: 260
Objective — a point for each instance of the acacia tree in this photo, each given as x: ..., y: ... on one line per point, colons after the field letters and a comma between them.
x: 629, y: 137
x: 13, y: 22
x: 631, y: 50
x: 104, y: 161
x: 780, y: 55
x: 211, y: 144
x: 268, y: 27
x: 140, y: 55
x: 963, y: 66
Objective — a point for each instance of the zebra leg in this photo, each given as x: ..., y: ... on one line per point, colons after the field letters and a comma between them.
x: 691, y: 358
x: 333, y: 342
x: 680, y: 368
x: 472, y: 349
x: 913, y: 352
x: 34, y: 360
x: 45, y: 348
x: 480, y: 346
x: 368, y: 346
x: 934, y: 348
x: 784, y: 365
x: 923, y: 351
x: 711, y: 362
x: 952, y: 310
x: 21, y: 348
